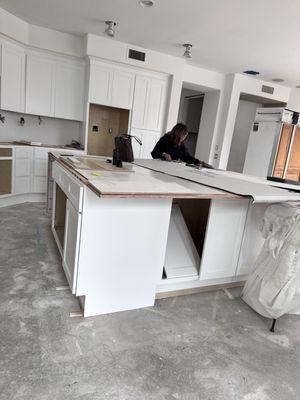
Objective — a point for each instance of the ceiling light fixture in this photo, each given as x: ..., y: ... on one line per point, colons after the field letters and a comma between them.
x: 187, y: 50
x: 110, y: 30
x: 298, y: 86
x: 146, y: 3
x: 277, y: 80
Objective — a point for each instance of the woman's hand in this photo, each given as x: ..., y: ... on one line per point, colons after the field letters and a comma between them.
x: 167, y: 156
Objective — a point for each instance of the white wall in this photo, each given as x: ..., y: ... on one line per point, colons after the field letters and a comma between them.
x: 52, y: 131
x: 294, y: 100
x: 36, y: 36
x: 235, y: 85
x: 243, y: 123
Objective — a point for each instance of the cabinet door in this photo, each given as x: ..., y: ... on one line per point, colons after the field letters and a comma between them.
x: 283, y: 150
x: 140, y: 102
x: 100, y: 89
x: 122, y: 89
x: 149, y: 140
x: 136, y: 147
x: 22, y: 169
x: 69, y: 91
x: 12, y: 78
x: 156, y: 105
x: 71, y: 245
x: 40, y: 85
x: 223, y: 239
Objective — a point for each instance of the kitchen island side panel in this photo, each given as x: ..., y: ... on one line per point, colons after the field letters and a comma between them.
x: 122, y: 252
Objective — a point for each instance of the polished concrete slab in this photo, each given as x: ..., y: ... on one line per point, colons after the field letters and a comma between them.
x: 205, y: 346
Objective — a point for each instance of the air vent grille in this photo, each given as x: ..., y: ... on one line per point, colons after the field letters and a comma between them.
x: 267, y: 89
x: 137, y: 55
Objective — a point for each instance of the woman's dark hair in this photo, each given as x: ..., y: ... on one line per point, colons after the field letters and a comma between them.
x: 177, y: 133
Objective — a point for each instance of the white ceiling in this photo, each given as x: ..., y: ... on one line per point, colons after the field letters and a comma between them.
x: 227, y: 35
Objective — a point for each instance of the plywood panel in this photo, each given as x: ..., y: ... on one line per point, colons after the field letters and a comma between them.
x: 293, y: 169
x: 195, y: 213
x: 111, y: 122
x: 5, y: 176
x: 283, y: 149
x: 5, y: 152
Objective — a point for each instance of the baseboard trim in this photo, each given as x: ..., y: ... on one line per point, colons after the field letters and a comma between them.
x: 187, y: 292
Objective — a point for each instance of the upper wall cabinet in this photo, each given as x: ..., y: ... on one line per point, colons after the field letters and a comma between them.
x: 69, y: 90
x: 110, y: 86
x: 12, y: 77
x: 40, y: 85
x: 54, y: 86
x: 149, y: 103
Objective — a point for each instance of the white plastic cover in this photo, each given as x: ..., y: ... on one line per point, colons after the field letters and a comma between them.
x: 273, y: 288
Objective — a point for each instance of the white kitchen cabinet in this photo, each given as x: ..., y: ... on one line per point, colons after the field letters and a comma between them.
x: 122, y: 89
x: 40, y: 168
x: 71, y: 244
x: 12, y: 77
x: 69, y: 90
x: 149, y: 104
x: 141, y: 94
x: 22, y: 169
x: 100, y: 87
x: 40, y: 84
x: 223, y: 238
x: 148, y: 139
x: 110, y: 86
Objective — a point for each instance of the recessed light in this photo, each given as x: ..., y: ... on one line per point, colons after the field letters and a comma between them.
x: 298, y: 86
x: 277, y: 80
x: 146, y: 3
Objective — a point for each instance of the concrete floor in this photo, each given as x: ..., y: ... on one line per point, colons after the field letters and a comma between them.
x: 204, y: 346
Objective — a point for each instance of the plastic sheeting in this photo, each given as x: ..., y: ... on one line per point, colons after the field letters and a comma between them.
x: 273, y: 288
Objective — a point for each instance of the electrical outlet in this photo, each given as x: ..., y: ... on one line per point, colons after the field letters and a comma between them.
x: 95, y: 128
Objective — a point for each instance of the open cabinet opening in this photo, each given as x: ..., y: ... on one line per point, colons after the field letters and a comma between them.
x: 5, y: 176
x: 186, y: 238
x: 60, y: 215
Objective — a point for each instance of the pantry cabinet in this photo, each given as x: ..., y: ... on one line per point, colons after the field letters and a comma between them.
x: 12, y: 77
x: 149, y: 103
x: 148, y: 139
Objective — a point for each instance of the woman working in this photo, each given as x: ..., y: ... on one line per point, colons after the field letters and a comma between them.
x: 171, y: 147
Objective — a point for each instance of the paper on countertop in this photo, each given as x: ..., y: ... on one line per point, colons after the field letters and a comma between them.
x: 132, y: 183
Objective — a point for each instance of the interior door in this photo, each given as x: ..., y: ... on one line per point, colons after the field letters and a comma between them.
x: 283, y: 150
x: 293, y: 166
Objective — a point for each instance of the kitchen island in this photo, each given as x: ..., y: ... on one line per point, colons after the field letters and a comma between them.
x: 150, y: 229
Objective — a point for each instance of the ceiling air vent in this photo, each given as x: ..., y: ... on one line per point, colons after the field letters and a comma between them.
x: 136, y: 55
x: 267, y: 89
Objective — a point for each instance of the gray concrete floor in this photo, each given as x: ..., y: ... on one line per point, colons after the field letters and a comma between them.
x: 203, y: 346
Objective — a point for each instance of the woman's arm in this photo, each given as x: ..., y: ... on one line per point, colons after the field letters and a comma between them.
x: 186, y: 157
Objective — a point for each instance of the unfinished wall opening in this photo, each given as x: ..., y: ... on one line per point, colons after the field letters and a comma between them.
x: 245, y: 118
x: 5, y: 176
x: 190, y: 110
x: 105, y: 123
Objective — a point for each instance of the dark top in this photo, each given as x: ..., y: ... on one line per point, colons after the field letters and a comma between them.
x: 165, y: 145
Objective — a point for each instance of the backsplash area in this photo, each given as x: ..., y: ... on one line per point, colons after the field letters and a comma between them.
x: 46, y: 130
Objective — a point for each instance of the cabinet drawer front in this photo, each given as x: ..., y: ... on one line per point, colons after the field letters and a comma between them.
x: 22, y: 167
x: 40, y: 168
x: 71, y: 187
x: 23, y: 152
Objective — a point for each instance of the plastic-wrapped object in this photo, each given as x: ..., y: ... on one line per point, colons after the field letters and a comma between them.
x: 273, y: 288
